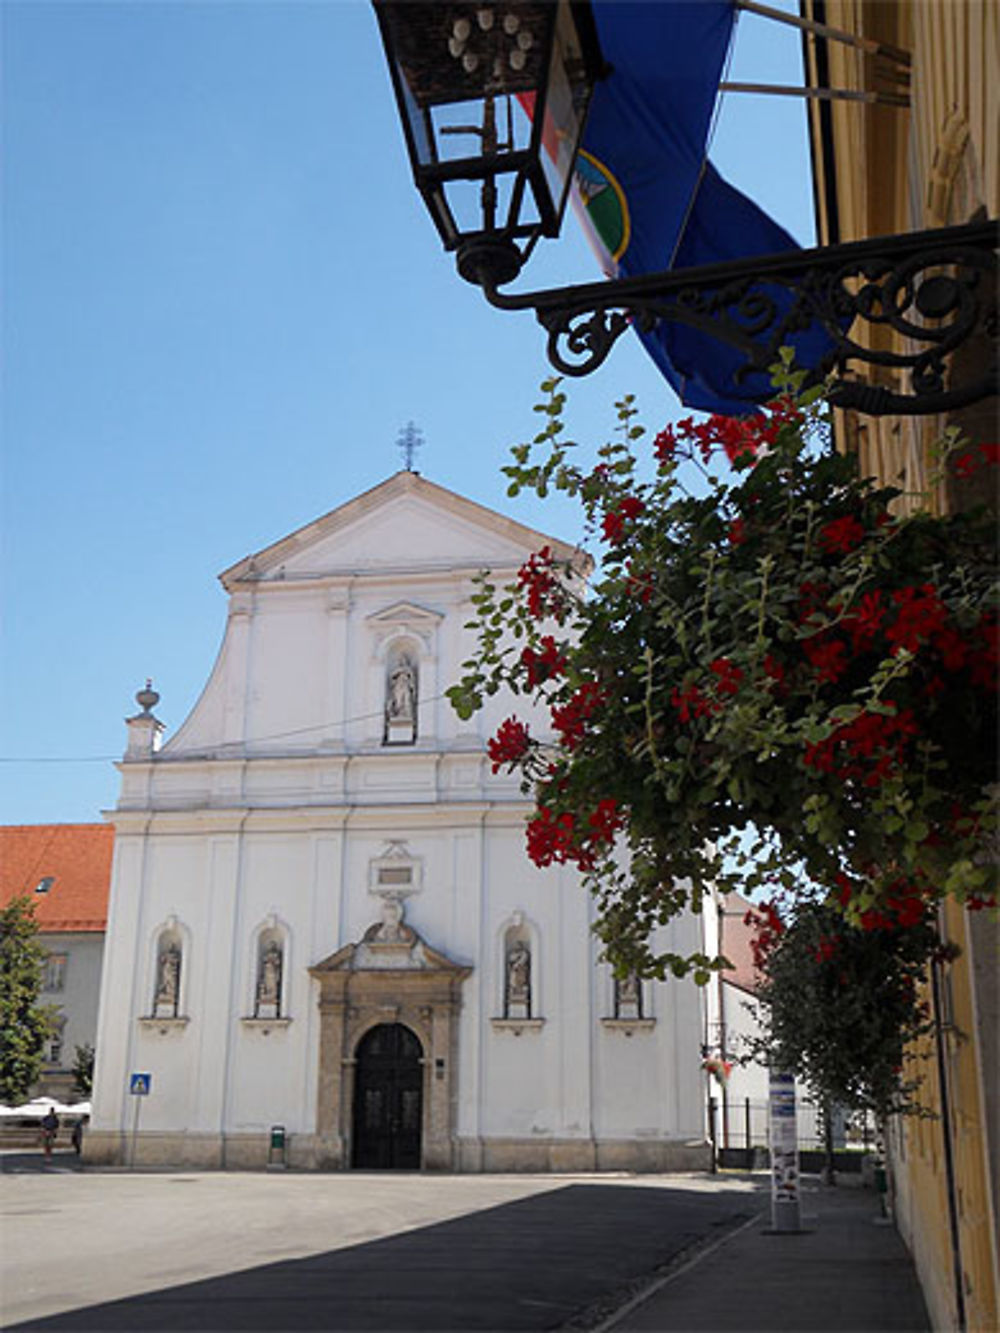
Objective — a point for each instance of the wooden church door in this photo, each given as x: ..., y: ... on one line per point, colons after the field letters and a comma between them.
x: 388, y: 1099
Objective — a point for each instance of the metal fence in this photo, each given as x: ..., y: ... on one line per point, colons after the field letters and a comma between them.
x: 741, y: 1123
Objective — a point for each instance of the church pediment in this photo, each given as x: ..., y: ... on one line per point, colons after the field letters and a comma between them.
x: 407, y: 614
x: 407, y: 524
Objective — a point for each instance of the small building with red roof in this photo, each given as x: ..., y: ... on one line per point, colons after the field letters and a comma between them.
x: 64, y: 870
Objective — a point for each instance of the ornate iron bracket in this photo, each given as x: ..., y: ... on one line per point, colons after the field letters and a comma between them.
x: 899, y: 307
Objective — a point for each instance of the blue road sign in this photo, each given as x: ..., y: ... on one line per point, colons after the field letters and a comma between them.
x: 139, y: 1084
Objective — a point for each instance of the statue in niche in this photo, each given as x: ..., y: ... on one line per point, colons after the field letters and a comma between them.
x: 401, y: 700
x: 268, y: 995
x: 168, y: 980
x: 517, y: 994
x: 628, y: 997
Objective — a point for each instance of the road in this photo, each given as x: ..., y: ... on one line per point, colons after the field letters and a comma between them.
x: 382, y: 1251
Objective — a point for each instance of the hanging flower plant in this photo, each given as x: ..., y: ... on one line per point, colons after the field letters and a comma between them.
x: 718, y: 1068
x: 774, y: 681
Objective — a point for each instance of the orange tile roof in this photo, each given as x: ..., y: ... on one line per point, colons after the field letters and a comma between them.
x: 76, y: 856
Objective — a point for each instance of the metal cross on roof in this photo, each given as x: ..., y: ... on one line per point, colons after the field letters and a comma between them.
x: 409, y: 441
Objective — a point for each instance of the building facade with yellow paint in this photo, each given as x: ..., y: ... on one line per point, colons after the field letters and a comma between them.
x: 927, y: 155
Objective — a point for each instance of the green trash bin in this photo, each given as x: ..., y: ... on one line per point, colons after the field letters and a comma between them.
x: 276, y: 1151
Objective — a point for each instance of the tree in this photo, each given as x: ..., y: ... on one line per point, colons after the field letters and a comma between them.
x: 83, y: 1070
x: 775, y: 680
x: 25, y: 1026
x: 842, y: 1006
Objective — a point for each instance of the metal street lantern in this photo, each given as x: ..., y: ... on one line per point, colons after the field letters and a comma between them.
x: 493, y: 98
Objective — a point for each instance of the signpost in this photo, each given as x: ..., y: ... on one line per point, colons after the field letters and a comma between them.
x: 139, y: 1086
x: 783, y: 1137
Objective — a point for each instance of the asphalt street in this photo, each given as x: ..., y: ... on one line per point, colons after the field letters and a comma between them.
x: 114, y: 1250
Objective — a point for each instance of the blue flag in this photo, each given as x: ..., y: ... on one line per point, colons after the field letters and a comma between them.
x: 648, y: 198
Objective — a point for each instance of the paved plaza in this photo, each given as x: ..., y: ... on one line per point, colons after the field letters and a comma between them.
x: 111, y: 1250
x: 115, y: 1250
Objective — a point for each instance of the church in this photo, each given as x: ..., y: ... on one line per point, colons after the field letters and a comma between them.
x: 326, y: 944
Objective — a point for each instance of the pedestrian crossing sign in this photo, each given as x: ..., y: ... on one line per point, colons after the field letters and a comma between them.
x: 139, y: 1085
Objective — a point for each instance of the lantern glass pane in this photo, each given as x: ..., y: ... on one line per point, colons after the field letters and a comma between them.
x: 565, y: 107
x: 420, y: 125
x: 472, y: 130
x: 513, y: 211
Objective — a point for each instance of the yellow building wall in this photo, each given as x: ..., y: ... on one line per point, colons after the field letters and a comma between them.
x: 895, y: 169
x: 917, y: 1144
x: 936, y: 163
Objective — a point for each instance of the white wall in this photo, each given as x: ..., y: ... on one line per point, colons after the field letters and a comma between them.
x: 271, y: 801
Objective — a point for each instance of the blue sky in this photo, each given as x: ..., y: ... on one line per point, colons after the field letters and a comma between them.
x: 222, y: 301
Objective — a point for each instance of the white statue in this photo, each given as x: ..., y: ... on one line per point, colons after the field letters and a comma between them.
x: 401, y: 704
x: 628, y: 997
x: 517, y: 999
x: 168, y: 978
x: 269, y: 978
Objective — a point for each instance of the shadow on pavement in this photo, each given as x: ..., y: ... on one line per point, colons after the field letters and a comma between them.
x: 531, y: 1264
x: 14, y: 1162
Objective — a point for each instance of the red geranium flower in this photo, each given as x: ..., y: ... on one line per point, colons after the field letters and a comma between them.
x: 827, y: 656
x: 965, y: 465
x: 728, y: 677
x: 614, y: 521
x: 550, y: 837
x: 841, y: 535
x: 544, y: 665
x: 665, y: 444
x: 691, y: 703
x: 774, y: 669
x: 544, y: 590
x: 509, y: 745
x: 921, y: 615
x: 570, y: 720
x: 606, y: 820
x: 864, y: 623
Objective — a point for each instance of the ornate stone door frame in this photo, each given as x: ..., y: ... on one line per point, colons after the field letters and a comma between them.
x: 392, y: 976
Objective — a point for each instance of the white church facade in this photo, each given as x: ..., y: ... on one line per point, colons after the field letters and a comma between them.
x: 322, y: 914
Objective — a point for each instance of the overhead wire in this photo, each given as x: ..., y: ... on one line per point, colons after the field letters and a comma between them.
x: 252, y: 740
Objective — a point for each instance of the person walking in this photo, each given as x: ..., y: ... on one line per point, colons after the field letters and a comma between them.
x: 50, y: 1128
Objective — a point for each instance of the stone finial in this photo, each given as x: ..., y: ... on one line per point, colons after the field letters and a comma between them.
x: 148, y: 698
x: 144, y: 729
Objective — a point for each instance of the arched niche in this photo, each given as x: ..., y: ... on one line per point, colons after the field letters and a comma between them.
x: 268, y: 971
x: 518, y: 975
x: 403, y: 666
x: 401, y: 691
x: 169, y: 970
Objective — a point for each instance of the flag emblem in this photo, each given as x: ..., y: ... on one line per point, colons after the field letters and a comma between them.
x: 603, y: 210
